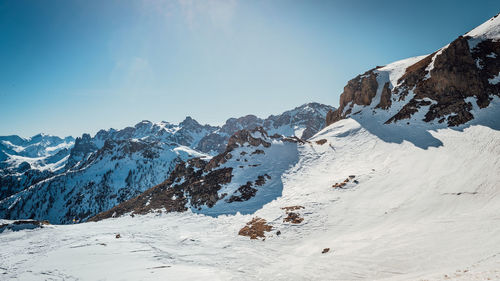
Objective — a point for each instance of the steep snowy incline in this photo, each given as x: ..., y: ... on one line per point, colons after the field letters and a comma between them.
x: 406, y: 214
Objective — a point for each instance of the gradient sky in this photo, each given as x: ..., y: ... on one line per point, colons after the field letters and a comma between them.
x: 68, y: 67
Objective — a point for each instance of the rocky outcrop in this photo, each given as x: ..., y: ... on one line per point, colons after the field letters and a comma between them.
x: 253, y: 137
x: 454, y: 77
x: 256, y: 228
x: 445, y: 86
x: 360, y: 90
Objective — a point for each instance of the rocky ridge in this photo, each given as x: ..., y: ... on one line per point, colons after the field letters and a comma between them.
x: 441, y: 88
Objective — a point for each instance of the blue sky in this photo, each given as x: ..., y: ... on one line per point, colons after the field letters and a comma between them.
x: 69, y: 67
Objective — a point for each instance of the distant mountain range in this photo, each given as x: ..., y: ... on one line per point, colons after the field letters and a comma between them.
x: 46, y: 177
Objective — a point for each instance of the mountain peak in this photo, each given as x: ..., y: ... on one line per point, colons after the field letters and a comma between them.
x: 189, y: 122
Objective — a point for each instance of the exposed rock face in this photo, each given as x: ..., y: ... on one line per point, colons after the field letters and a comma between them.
x: 385, y: 98
x: 256, y: 228
x: 445, y: 85
x: 254, y: 137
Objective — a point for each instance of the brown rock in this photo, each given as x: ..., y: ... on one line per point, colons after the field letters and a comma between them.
x: 255, y: 228
x: 321, y: 141
x: 292, y: 208
x: 293, y: 218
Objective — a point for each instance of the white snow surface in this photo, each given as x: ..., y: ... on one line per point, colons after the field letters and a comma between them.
x: 395, y: 70
x: 416, y: 214
x: 488, y: 30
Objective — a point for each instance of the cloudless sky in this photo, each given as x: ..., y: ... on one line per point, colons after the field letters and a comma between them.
x: 69, y: 67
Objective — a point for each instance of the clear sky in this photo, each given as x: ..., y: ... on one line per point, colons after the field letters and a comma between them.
x: 68, y: 67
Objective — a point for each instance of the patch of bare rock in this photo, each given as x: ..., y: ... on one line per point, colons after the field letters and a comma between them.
x: 321, y: 141
x: 255, y: 228
x: 292, y: 215
x: 294, y: 218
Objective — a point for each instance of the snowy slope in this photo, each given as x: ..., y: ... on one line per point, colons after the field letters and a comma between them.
x: 248, y: 164
x: 489, y: 30
x: 410, y: 217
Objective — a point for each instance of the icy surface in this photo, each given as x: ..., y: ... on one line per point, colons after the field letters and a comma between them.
x: 416, y: 214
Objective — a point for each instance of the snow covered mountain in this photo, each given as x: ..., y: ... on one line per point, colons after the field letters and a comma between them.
x: 93, y: 174
x: 446, y: 88
x: 403, y: 184
x: 24, y: 162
